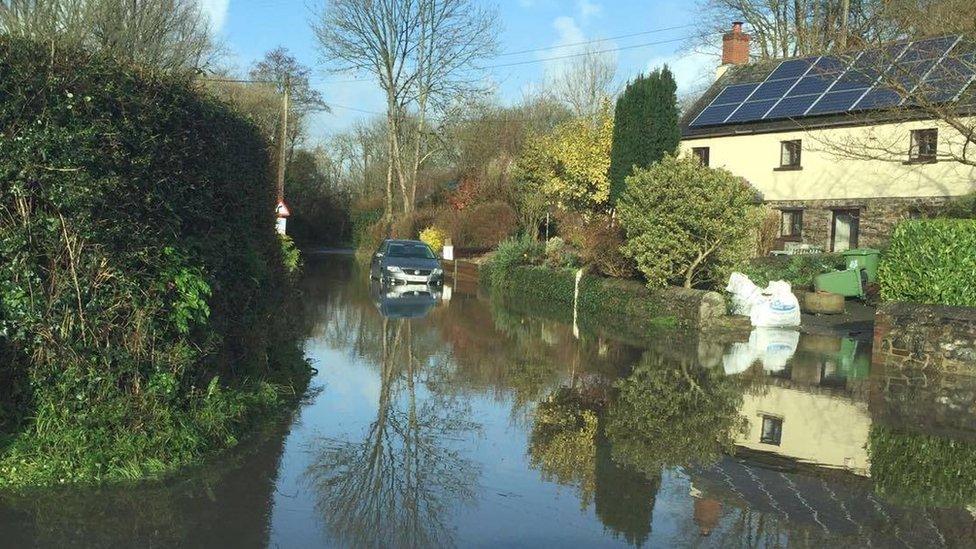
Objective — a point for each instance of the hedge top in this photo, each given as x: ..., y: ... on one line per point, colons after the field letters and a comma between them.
x: 931, y: 261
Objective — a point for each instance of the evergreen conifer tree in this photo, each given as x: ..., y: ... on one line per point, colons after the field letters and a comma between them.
x: 645, y: 126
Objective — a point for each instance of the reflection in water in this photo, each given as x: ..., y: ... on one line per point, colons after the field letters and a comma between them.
x: 397, y: 485
x: 440, y: 422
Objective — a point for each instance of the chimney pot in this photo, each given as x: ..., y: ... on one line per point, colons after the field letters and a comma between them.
x: 735, y: 46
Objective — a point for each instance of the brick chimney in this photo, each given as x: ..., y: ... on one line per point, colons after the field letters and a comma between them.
x: 735, y: 47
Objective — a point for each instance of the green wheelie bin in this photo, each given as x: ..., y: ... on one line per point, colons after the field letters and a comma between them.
x: 846, y: 283
x: 864, y: 258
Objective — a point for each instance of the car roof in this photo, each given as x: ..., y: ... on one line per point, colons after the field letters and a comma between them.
x: 402, y: 241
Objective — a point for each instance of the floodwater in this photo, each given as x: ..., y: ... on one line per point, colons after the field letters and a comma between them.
x: 447, y: 420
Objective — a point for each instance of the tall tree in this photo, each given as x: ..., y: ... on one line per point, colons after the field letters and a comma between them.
x: 164, y: 34
x: 645, y: 126
x: 281, y: 69
x: 423, y: 53
x: 586, y: 83
x: 786, y: 28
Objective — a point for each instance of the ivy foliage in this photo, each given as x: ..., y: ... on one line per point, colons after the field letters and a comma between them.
x: 688, y: 224
x: 141, y: 273
x: 931, y: 261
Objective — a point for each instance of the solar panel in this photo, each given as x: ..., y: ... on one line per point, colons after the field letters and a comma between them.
x: 734, y: 94
x: 834, y: 102
x: 879, y: 98
x: 935, y: 69
x: 714, y: 114
x: 791, y: 107
x: 773, y: 89
x: 792, y: 68
x: 812, y: 84
x: 751, y: 111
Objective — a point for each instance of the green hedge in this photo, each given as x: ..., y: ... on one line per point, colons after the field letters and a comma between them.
x: 142, y: 281
x: 920, y: 469
x: 625, y: 308
x: 931, y: 261
x: 798, y: 270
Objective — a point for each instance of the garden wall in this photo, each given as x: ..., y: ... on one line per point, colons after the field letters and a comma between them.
x: 914, y: 335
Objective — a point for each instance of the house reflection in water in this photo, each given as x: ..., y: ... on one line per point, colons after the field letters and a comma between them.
x: 813, y: 403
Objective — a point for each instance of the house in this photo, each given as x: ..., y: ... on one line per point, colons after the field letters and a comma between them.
x: 843, y: 146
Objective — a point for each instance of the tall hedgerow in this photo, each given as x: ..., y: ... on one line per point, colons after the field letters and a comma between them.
x: 141, y: 274
x: 645, y: 126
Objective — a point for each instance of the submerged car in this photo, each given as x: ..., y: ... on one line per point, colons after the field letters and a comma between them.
x: 406, y: 262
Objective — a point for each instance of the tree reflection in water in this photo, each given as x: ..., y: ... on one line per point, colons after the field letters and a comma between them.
x: 397, y: 486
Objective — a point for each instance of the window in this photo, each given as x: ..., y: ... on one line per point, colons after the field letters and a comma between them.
x: 844, y: 230
x: 792, y: 223
x: 772, y: 430
x: 925, y: 145
x: 702, y: 154
x: 789, y: 154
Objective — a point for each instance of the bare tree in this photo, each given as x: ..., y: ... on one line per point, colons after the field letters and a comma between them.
x: 917, y: 83
x: 282, y: 70
x: 586, y: 83
x: 787, y: 28
x: 421, y: 52
x: 165, y: 34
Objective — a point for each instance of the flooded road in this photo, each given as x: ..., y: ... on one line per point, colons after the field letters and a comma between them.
x: 446, y: 420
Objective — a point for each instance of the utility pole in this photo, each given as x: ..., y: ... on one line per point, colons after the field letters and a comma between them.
x: 281, y: 211
x: 282, y: 138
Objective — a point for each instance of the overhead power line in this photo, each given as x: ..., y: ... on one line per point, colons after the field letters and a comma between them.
x: 608, y: 50
x: 594, y: 41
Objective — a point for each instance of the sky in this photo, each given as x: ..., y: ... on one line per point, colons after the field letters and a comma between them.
x: 249, y: 28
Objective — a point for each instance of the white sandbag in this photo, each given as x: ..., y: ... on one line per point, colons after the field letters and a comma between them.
x: 774, y: 347
x: 778, y: 307
x: 744, y: 292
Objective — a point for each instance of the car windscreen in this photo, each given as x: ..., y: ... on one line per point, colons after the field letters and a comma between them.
x: 410, y: 250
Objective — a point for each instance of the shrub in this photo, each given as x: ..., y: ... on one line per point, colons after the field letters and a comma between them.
x: 434, y: 238
x: 362, y: 222
x: 599, y: 241
x: 510, y: 253
x: 558, y: 254
x: 290, y: 254
x: 371, y: 239
x: 931, y: 261
x: 140, y: 266
x: 687, y: 224
x: 798, y: 270
x: 485, y: 225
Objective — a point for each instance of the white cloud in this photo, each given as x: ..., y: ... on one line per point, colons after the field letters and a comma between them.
x: 693, y: 71
x: 216, y: 13
x: 588, y: 9
x: 568, y: 32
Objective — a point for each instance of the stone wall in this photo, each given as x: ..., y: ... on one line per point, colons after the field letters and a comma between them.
x: 924, y: 369
x: 878, y: 216
x: 918, y: 336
